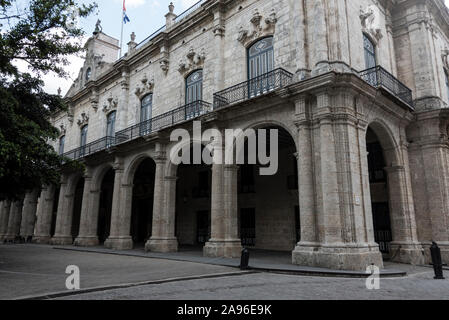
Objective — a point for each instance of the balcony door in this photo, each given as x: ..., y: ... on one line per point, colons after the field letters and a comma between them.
x: 83, y: 140
x: 194, y: 94
x: 110, y: 129
x: 146, y: 113
x: 260, y: 65
x: 370, y: 59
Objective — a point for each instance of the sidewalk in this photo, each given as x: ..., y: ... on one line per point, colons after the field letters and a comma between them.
x: 260, y: 260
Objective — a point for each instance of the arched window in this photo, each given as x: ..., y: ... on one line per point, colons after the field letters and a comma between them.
x: 110, y: 129
x: 194, y: 87
x: 83, y: 139
x: 370, y: 52
x: 146, y: 113
x: 260, y: 58
x: 61, y: 145
x: 260, y: 65
x: 194, y: 94
x: 446, y: 77
x: 88, y: 74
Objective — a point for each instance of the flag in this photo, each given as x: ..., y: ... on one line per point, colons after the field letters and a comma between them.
x: 125, y: 16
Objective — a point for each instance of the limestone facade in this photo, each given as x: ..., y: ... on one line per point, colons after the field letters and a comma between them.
x: 322, y: 205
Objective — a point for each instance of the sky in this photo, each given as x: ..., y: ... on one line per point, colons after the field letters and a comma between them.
x: 146, y: 17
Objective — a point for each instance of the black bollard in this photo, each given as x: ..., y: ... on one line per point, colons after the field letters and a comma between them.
x: 437, y: 262
x: 244, y: 261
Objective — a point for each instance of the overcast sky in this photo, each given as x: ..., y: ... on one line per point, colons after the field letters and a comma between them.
x: 146, y: 16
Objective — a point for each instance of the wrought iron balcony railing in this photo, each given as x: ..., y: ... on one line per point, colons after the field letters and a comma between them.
x: 253, y: 88
x: 90, y: 148
x: 165, y: 120
x: 380, y: 78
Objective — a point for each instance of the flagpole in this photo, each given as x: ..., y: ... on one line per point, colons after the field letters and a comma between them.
x: 121, y: 36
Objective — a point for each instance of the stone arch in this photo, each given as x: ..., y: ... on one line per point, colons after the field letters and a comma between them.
x: 99, y: 174
x: 387, y: 141
x: 133, y: 165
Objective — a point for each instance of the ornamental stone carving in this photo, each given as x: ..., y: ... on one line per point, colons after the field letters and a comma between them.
x: 145, y: 88
x: 110, y: 105
x: 370, y: 18
x: 83, y: 120
x: 62, y: 130
x: 259, y: 28
x: 194, y: 61
x: 444, y: 57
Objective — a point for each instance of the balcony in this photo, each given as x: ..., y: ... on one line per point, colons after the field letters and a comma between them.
x: 187, y: 112
x: 380, y: 78
x: 253, y: 88
x: 91, y: 148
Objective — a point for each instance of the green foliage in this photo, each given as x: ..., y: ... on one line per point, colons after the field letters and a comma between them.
x: 43, y: 37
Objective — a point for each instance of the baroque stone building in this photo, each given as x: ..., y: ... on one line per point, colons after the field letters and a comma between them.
x: 359, y: 92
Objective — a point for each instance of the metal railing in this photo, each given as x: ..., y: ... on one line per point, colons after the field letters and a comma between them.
x: 165, y: 120
x: 164, y: 27
x: 253, y: 88
x: 380, y: 78
x: 90, y: 148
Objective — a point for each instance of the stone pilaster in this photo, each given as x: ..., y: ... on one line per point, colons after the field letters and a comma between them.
x: 405, y: 247
x: 15, y: 219
x: 63, y: 231
x: 119, y: 237
x: 4, y: 218
x: 163, y: 234
x: 89, y: 214
x: 44, y: 215
x: 224, y: 240
x: 29, y: 215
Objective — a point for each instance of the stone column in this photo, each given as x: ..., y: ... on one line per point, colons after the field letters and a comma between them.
x: 4, y: 219
x: 63, y: 232
x: 89, y: 214
x: 119, y: 237
x: 163, y: 234
x: 405, y: 247
x: 29, y: 215
x: 224, y: 240
x: 306, y: 190
x: 298, y: 39
x: 317, y: 34
x: 15, y: 219
x: 44, y: 215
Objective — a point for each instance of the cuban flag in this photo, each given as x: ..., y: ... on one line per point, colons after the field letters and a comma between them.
x: 125, y: 17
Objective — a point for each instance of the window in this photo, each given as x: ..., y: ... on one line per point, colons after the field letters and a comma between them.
x: 88, y: 74
x: 110, y: 129
x: 61, y: 145
x: 194, y: 93
x: 260, y: 63
x: 446, y: 76
x: 83, y: 139
x: 370, y: 52
x: 146, y: 112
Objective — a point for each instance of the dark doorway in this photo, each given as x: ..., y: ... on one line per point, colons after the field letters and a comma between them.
x: 54, y: 212
x: 78, y: 203
x: 105, y: 211
x: 142, y: 208
x: 248, y: 227
x: 379, y: 192
x: 202, y: 227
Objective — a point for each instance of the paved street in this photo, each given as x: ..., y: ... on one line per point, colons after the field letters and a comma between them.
x: 36, y: 270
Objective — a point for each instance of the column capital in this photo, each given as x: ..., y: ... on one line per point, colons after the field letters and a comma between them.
x: 393, y: 169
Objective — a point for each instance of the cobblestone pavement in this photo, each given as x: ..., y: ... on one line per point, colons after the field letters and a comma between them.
x: 36, y: 270
x: 27, y: 270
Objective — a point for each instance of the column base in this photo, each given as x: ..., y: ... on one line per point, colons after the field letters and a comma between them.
x: 62, y: 240
x: 119, y: 243
x: 86, y: 242
x: 337, y: 257
x: 42, y: 239
x: 407, y: 253
x: 223, y: 249
x: 162, y: 245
